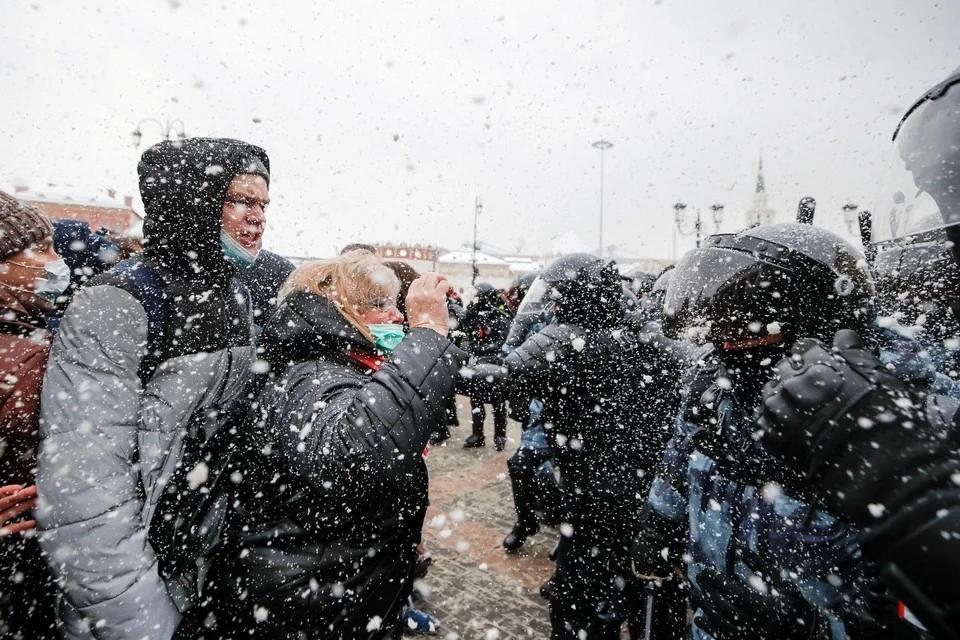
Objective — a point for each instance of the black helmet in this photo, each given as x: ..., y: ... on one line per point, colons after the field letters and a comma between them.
x: 792, y: 279
x: 586, y: 291
x: 917, y: 282
x: 921, y: 189
x: 486, y: 297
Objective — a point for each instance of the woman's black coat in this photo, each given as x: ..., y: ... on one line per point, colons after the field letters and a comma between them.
x: 333, y: 497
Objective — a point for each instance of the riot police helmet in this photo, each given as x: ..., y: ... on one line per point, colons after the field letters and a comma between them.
x: 768, y: 284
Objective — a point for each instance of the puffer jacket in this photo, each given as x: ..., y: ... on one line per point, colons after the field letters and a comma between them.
x: 331, y: 506
x: 724, y: 494
x: 112, y: 431
x: 24, y: 347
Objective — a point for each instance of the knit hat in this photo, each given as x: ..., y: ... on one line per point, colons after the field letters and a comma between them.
x: 21, y: 225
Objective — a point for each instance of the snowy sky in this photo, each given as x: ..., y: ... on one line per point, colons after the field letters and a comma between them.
x: 384, y: 120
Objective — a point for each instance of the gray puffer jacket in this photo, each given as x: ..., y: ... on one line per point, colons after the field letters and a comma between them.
x: 108, y: 449
x: 119, y: 393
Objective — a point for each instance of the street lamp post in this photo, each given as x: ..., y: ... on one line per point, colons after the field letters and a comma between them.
x: 603, y: 145
x: 477, y: 208
x: 717, y: 212
x: 679, y: 217
x: 168, y: 127
x: 850, y: 215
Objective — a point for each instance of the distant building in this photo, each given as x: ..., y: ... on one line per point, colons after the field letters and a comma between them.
x: 102, y: 210
x: 761, y: 213
x: 500, y: 271
x: 652, y: 266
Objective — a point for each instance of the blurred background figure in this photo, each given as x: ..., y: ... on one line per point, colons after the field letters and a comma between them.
x: 485, y: 326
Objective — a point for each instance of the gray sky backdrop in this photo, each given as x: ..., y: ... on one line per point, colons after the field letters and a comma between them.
x: 384, y: 120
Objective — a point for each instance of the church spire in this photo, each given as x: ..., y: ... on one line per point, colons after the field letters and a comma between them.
x: 761, y: 213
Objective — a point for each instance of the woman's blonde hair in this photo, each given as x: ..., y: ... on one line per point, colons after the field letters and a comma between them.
x: 351, y: 282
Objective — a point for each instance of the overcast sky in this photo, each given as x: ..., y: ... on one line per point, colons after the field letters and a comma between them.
x: 384, y: 120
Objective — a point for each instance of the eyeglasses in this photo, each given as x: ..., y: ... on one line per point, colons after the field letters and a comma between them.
x: 240, y: 202
x: 383, y: 303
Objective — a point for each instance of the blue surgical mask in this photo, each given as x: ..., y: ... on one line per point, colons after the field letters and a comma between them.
x: 387, y: 336
x: 234, y: 252
x: 55, y: 282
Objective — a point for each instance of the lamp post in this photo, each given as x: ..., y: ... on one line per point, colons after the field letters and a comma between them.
x: 603, y: 145
x: 717, y: 212
x: 168, y: 127
x: 850, y: 215
x: 684, y: 226
x: 477, y: 208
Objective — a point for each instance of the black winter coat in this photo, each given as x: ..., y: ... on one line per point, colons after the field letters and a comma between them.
x: 485, y: 329
x: 610, y: 396
x: 331, y: 507
x: 263, y: 279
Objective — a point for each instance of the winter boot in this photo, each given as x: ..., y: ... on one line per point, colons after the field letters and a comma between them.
x: 518, y: 535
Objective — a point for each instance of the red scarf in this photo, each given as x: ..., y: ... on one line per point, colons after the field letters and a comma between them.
x: 369, y: 360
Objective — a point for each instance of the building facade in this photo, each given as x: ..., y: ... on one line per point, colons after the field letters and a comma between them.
x: 101, y: 211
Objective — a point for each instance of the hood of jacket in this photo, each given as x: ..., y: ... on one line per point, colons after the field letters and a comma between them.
x: 307, y: 326
x: 183, y: 184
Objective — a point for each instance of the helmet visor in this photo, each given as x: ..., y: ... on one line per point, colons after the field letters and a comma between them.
x: 720, y: 295
x: 921, y: 187
x: 533, y: 309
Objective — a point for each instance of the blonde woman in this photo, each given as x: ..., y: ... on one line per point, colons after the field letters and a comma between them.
x: 334, y: 489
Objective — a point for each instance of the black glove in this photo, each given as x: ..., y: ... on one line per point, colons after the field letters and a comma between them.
x: 770, y: 607
x: 657, y: 546
x: 841, y: 418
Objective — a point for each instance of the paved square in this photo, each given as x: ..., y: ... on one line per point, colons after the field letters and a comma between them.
x: 474, y: 587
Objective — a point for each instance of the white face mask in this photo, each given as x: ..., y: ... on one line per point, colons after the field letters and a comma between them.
x: 55, y: 282
x: 235, y: 253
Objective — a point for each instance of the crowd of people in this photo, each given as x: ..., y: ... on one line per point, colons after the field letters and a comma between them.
x: 201, y: 441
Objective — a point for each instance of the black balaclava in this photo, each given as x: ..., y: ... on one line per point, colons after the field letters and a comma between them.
x: 183, y: 184
x: 749, y: 369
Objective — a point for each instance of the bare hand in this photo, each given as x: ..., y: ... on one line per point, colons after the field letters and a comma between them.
x: 427, y: 303
x: 15, y: 500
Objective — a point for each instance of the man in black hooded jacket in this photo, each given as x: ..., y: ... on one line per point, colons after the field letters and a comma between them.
x: 127, y: 372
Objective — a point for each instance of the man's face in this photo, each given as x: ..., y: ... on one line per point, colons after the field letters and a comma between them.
x: 244, y: 210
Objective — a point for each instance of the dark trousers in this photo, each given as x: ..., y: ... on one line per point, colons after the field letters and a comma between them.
x: 479, y: 413
x: 27, y: 591
x: 596, y: 593
x: 534, y: 487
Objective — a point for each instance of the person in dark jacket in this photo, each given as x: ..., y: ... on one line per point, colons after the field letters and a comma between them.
x: 263, y: 280
x: 763, y: 557
x: 331, y: 505
x: 593, y: 369
x: 32, y: 276
x: 485, y: 326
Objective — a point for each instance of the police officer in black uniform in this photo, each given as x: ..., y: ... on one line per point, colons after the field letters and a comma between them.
x: 869, y: 442
x: 593, y: 369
